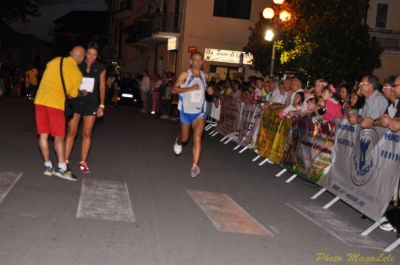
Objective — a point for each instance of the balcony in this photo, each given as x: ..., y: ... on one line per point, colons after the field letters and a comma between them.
x: 154, y: 29
x: 388, y: 39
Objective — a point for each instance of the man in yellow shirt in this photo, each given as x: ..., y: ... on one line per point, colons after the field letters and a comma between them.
x: 49, y: 108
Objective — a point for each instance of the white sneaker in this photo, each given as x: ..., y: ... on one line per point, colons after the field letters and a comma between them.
x: 177, y: 148
x: 195, y: 171
x: 386, y: 226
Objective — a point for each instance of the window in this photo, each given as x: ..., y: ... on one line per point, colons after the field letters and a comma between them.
x: 232, y: 8
x: 381, y: 16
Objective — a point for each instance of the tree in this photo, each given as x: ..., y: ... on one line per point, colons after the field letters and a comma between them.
x: 18, y: 10
x: 325, y: 40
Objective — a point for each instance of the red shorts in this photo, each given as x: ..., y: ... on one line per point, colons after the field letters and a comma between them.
x: 50, y: 121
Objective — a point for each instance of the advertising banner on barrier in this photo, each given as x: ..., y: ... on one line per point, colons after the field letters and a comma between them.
x: 269, y: 126
x: 280, y: 140
x: 251, y: 116
x: 230, y: 116
x: 366, y: 168
x: 308, y: 152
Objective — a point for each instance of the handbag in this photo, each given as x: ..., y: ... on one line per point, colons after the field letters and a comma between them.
x: 68, y: 110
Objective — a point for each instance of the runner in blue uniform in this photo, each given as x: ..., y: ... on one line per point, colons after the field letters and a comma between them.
x: 191, y: 87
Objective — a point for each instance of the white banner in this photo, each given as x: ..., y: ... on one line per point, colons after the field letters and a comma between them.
x: 227, y: 56
x: 366, y: 168
x: 251, y: 117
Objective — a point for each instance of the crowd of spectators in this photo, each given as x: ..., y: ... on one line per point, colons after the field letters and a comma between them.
x: 368, y: 102
x: 15, y: 82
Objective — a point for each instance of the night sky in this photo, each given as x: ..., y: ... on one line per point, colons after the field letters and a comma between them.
x: 42, y: 27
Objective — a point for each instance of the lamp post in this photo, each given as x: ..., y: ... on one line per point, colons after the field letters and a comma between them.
x: 269, y: 13
x: 269, y: 36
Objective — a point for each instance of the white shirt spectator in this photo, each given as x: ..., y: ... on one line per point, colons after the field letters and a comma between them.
x: 374, y: 106
x: 145, y: 84
x: 277, y: 97
x: 392, y: 109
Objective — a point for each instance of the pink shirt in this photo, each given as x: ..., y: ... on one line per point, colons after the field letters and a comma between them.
x: 333, y: 110
x: 257, y: 92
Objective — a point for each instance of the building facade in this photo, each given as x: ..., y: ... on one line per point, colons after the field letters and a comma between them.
x: 383, y: 20
x: 158, y: 35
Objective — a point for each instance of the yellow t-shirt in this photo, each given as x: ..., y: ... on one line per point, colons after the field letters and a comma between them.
x: 32, y: 77
x: 51, y: 93
x: 263, y: 92
x: 228, y: 91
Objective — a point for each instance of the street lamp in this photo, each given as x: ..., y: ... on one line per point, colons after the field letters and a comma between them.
x: 284, y: 16
x: 269, y: 13
x: 269, y: 35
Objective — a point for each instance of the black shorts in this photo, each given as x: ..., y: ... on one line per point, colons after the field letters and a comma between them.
x: 85, y: 105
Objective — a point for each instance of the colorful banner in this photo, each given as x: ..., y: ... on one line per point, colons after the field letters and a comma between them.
x: 281, y: 137
x: 366, y: 168
x: 230, y: 116
x: 268, y: 128
x: 273, y: 133
x: 308, y: 152
x: 251, y: 116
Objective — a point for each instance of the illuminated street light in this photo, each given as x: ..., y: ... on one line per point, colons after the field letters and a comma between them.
x: 269, y: 35
x: 268, y: 13
x: 284, y: 16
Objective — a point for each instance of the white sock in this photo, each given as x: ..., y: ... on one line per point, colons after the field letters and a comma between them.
x: 62, y: 166
x: 48, y: 164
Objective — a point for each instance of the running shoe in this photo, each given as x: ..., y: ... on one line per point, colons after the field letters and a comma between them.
x: 48, y: 171
x: 84, y: 167
x: 64, y: 174
x: 195, y: 171
x: 386, y: 226
x: 177, y: 148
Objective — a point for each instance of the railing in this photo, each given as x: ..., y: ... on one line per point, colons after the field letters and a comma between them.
x: 388, y: 39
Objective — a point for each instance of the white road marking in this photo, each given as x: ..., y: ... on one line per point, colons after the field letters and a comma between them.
x: 334, y: 225
x: 7, y: 182
x: 226, y: 214
x: 105, y: 200
x: 274, y: 229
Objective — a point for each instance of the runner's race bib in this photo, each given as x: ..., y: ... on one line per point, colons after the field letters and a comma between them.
x: 195, y: 96
x: 87, y: 84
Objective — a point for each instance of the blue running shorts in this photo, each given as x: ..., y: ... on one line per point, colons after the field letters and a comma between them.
x: 189, y: 118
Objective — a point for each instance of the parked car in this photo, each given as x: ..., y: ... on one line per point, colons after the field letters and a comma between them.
x: 129, y: 93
